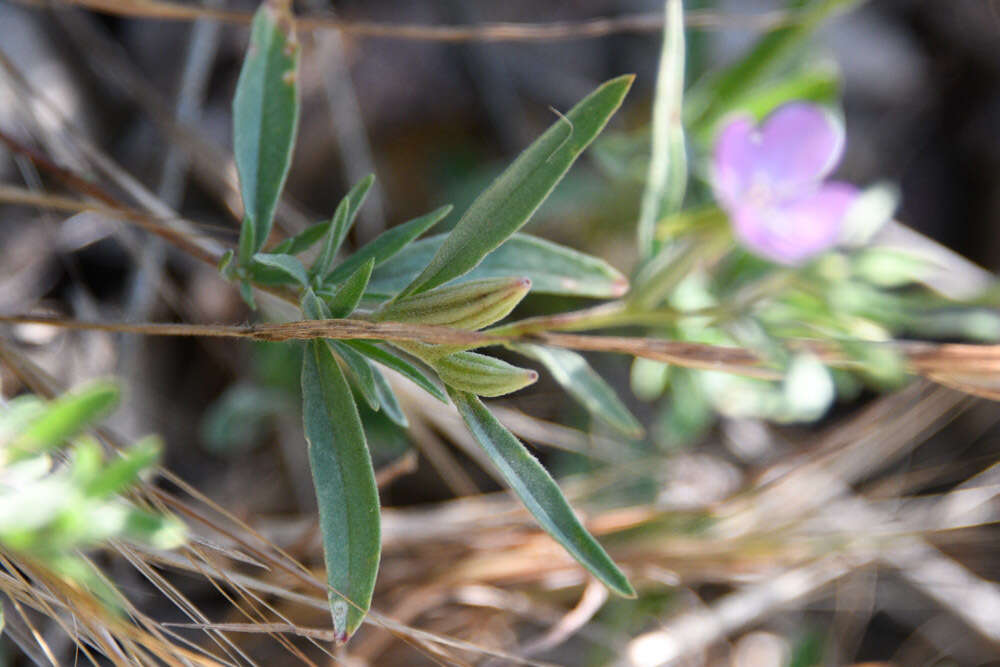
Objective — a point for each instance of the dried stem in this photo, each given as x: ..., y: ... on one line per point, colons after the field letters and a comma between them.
x: 486, y: 32
x: 929, y: 359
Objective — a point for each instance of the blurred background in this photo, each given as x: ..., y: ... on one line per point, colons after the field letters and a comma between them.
x: 709, y: 521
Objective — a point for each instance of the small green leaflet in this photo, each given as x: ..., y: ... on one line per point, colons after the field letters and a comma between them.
x: 388, y: 243
x: 265, y: 119
x: 515, y: 195
x: 539, y: 492
x: 285, y: 265
x: 123, y: 472
x: 343, y: 219
x: 552, y: 268
x: 580, y: 381
x: 343, y: 302
x: 361, y: 371
x: 388, y: 401
x: 401, y: 366
x: 714, y: 96
x: 666, y: 180
x: 63, y: 418
x: 345, y: 488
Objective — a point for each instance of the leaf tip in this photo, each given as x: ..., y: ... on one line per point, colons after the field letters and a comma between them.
x: 619, y: 286
x: 627, y: 591
x: 338, y: 610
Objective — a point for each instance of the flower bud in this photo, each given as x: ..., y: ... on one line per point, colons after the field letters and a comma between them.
x: 471, y: 305
x: 482, y: 375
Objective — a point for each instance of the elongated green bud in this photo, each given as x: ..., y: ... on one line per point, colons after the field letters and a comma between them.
x: 482, y: 375
x: 472, y: 305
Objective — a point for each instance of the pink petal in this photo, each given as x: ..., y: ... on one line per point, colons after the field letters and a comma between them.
x: 734, y: 160
x: 795, y: 230
x: 799, y: 144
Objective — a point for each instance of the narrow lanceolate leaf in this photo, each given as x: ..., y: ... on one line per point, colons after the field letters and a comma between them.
x: 515, y: 195
x: 265, y: 118
x: 481, y: 375
x: 343, y: 219
x: 284, y: 265
x: 401, y: 366
x: 343, y: 302
x: 388, y: 243
x: 335, y: 234
x: 61, y: 419
x: 123, y: 472
x: 551, y: 268
x: 361, y: 371
x: 357, y: 196
x: 303, y: 240
x: 714, y: 96
x: 472, y: 305
x: 666, y: 179
x: 580, y: 381
x: 388, y: 401
x: 539, y: 492
x: 312, y: 307
x: 345, y: 488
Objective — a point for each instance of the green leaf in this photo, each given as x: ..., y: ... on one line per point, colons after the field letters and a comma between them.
x: 312, y: 307
x: 347, y: 297
x: 356, y: 197
x: 714, y: 96
x: 343, y: 218
x: 388, y: 243
x: 335, y: 234
x: 304, y: 240
x: 891, y: 267
x: 284, y: 264
x: 387, y: 399
x: 265, y: 119
x: 539, y: 492
x: 248, y: 241
x: 648, y: 378
x: 361, y: 371
x: 226, y: 266
x: 399, y: 365
x: 666, y: 180
x: 246, y: 291
x: 481, y: 375
x: 123, y: 472
x: 515, y: 195
x: 345, y: 488
x: 818, y: 82
x: 580, y: 381
x: 469, y: 305
x: 64, y: 417
x: 551, y: 268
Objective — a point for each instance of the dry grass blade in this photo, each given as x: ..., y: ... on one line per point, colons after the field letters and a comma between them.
x: 44, y: 385
x: 593, y: 598
x: 489, y: 32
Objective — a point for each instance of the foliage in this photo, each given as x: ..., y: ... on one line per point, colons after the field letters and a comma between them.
x: 59, y: 497
x: 693, y: 284
x: 743, y: 249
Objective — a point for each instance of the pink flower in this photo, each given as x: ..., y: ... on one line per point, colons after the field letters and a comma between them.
x: 770, y: 180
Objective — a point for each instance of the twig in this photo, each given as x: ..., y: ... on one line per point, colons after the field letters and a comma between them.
x: 486, y: 32
x: 931, y: 359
